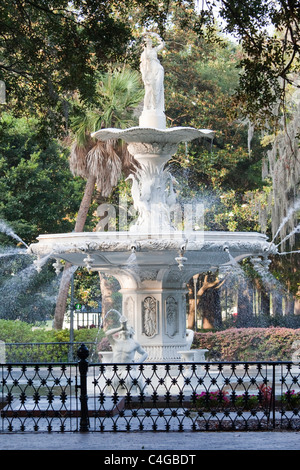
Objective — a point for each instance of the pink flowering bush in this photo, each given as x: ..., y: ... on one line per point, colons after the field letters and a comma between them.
x: 208, y: 400
x: 220, y: 399
x: 291, y: 399
x: 248, y: 344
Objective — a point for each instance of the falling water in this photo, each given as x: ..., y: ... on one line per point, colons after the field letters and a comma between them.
x: 295, y: 230
x: 19, y: 281
x: 41, y: 261
x: 13, y: 252
x: 132, y: 260
x: 114, y: 311
x: 50, y: 290
x: 71, y: 269
x: 291, y: 211
x: 4, y: 228
x: 268, y: 278
x: 237, y: 268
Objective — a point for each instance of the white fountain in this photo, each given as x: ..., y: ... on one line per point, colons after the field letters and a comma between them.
x: 153, y: 286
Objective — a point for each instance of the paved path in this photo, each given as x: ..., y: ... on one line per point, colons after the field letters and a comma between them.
x: 149, y: 441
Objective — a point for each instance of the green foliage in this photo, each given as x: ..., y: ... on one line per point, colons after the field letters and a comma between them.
x: 291, y: 399
x: 15, y: 331
x: 269, y: 35
x: 201, y: 78
x: 52, y: 49
x: 222, y: 399
x: 38, y: 192
x: 87, y: 288
x: 117, y: 93
x: 23, y: 332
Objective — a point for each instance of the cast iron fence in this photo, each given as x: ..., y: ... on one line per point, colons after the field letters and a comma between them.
x: 85, y: 396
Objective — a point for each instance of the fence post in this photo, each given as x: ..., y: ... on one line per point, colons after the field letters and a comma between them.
x: 83, y: 354
x: 273, y: 396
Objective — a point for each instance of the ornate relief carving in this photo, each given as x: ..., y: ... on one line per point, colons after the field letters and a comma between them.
x: 148, y: 275
x: 149, y: 316
x: 141, y: 148
x: 171, y: 316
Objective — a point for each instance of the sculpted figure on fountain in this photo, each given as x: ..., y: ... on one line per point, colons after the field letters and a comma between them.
x: 154, y: 198
x: 152, y: 74
x: 153, y: 77
x: 124, y: 345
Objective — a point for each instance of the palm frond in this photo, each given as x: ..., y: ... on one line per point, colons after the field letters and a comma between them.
x: 105, y: 164
x: 118, y: 93
x: 78, y: 156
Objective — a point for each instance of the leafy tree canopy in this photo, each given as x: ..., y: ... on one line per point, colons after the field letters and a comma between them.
x: 38, y: 193
x: 50, y: 49
x: 268, y: 31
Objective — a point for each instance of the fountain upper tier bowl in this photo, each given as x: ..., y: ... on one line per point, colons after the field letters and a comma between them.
x: 151, y: 144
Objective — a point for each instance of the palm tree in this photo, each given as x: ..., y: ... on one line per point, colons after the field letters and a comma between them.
x: 101, y: 164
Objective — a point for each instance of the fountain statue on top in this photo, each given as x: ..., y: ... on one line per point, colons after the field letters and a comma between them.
x: 153, y: 287
x: 153, y: 77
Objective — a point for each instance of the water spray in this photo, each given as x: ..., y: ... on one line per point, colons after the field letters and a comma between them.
x: 295, y: 230
x: 4, y: 228
x: 291, y: 211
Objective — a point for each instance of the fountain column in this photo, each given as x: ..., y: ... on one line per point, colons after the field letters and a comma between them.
x: 155, y: 308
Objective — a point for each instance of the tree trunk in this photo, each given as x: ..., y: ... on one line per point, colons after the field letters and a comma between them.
x: 191, y: 301
x: 107, y: 289
x: 208, y: 301
x: 297, y: 302
x: 277, y: 303
x: 245, y: 304
x: 211, y: 309
x: 265, y: 302
x: 61, y: 304
x: 289, y: 305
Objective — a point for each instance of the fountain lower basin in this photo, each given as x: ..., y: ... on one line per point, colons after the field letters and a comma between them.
x: 153, y: 272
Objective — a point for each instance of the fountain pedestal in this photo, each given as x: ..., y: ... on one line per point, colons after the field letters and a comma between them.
x: 157, y: 316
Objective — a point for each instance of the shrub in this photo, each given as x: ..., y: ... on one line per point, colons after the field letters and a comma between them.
x: 22, y: 332
x: 248, y: 344
x: 291, y: 399
x: 208, y: 400
x: 12, y: 331
x: 220, y: 399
